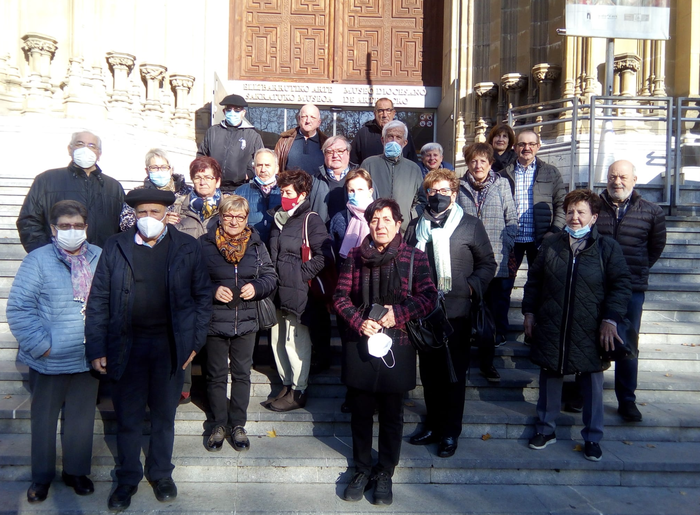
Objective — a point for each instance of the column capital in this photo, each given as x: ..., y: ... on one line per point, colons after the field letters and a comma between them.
x: 513, y: 81
x: 121, y: 60
x: 33, y: 41
x: 627, y: 62
x: 486, y: 89
x: 153, y: 71
x: 546, y: 72
x: 178, y: 81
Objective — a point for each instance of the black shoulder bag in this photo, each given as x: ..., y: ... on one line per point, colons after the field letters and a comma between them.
x: 483, y: 325
x: 267, y: 313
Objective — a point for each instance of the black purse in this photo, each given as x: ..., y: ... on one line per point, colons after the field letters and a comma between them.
x: 483, y: 324
x: 431, y: 332
x: 267, y: 312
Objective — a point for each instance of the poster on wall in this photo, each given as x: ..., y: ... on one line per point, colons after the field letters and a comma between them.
x: 623, y: 19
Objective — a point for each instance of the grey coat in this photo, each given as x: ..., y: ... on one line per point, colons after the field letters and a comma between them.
x: 498, y: 215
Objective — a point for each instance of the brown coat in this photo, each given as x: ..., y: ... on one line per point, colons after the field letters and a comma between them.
x: 284, y: 144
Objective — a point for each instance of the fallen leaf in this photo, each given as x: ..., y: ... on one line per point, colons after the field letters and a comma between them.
x: 272, y: 434
x: 683, y: 493
x: 578, y: 447
x: 669, y: 375
x: 657, y: 350
x: 642, y: 403
x: 626, y: 442
x: 410, y: 404
x: 485, y: 437
x: 651, y: 446
x: 7, y: 397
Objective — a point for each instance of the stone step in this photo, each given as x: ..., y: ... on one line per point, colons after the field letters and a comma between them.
x: 666, y: 312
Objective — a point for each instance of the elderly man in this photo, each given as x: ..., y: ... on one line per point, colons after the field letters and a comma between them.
x: 639, y: 226
x: 232, y: 143
x: 83, y: 181
x: 396, y: 177
x: 147, y: 317
x: 300, y: 147
x: 368, y: 140
x: 336, y: 151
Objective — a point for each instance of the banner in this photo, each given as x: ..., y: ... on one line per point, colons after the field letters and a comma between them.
x: 624, y: 19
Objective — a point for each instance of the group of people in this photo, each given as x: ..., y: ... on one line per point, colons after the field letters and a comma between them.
x: 133, y: 287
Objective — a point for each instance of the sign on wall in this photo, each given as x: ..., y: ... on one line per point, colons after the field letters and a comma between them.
x: 623, y: 19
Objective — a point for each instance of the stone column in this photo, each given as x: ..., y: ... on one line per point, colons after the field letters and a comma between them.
x: 121, y: 65
x: 11, y: 94
x: 659, y: 68
x: 545, y: 74
x: 39, y: 50
x: 513, y: 84
x: 486, y: 92
x: 182, y: 85
x: 153, y: 75
x: 627, y: 65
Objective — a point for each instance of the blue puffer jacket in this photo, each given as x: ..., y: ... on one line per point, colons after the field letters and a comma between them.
x: 42, y: 314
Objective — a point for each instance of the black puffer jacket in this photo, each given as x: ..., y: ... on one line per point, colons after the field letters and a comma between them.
x: 101, y: 195
x: 641, y: 233
x: 547, y: 197
x: 471, y: 259
x: 255, y: 268
x: 570, y: 298
x: 285, y: 250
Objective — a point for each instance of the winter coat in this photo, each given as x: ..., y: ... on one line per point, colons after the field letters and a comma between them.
x: 400, y: 180
x: 368, y: 143
x: 360, y: 369
x: 337, y: 196
x: 471, y: 260
x: 570, y: 298
x: 42, y: 314
x: 293, y: 274
x: 191, y: 224
x: 234, y: 149
x: 127, y: 219
x: 101, y: 195
x: 641, y: 233
x: 108, y: 331
x: 261, y: 207
x: 284, y: 145
x: 498, y: 215
x: 255, y: 267
x: 547, y: 197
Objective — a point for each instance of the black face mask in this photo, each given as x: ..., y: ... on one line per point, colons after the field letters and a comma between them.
x: 438, y: 203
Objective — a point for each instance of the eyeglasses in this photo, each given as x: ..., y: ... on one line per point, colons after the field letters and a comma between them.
x: 524, y: 145
x: 441, y: 191
x: 163, y: 168
x: 384, y: 111
x: 335, y: 152
x: 201, y: 178
x: 236, y: 109
x: 81, y: 144
x: 67, y: 227
x: 230, y: 218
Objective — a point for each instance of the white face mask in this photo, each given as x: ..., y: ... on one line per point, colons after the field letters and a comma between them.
x: 84, y: 158
x: 379, y: 345
x: 71, y: 239
x: 150, y: 227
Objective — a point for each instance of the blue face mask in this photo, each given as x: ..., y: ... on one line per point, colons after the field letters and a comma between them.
x: 578, y: 233
x: 160, y: 179
x: 392, y: 150
x: 233, y: 118
x: 267, y: 182
x: 359, y: 201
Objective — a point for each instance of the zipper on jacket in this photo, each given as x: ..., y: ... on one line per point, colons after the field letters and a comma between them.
x: 562, y: 354
x: 235, y: 317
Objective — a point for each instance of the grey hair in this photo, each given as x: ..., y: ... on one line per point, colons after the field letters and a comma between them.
x: 429, y: 147
x: 265, y: 151
x: 334, y: 139
x: 156, y: 152
x: 395, y: 124
x: 74, y: 138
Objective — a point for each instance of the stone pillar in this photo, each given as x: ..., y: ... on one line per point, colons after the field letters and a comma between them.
x: 39, y: 50
x: 121, y: 65
x: 11, y: 93
x: 627, y: 65
x: 486, y: 92
x: 570, y: 69
x: 513, y: 84
x: 659, y: 68
x: 545, y: 74
x: 153, y: 75
x: 182, y: 84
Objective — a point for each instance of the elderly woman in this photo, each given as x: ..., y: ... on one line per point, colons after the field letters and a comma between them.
x: 576, y: 293
x: 374, y: 301
x: 431, y: 159
x: 486, y: 195
x: 242, y: 273
x: 159, y: 175
x: 45, y: 312
x: 502, y: 138
x: 336, y: 166
x: 294, y: 225
x: 461, y: 260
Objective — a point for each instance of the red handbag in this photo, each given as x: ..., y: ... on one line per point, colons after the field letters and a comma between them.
x: 323, y: 285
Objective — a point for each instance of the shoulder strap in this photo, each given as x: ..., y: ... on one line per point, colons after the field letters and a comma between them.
x: 305, y: 231
x: 410, y: 272
x: 602, y: 264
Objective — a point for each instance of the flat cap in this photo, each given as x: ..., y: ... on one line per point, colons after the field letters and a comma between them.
x: 234, y: 100
x: 149, y: 196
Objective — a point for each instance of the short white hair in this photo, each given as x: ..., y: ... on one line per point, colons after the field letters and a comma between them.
x: 429, y: 147
x: 75, y: 135
x: 395, y: 124
x: 157, y: 152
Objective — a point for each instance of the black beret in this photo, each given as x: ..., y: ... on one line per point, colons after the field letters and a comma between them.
x: 234, y: 100
x: 149, y: 196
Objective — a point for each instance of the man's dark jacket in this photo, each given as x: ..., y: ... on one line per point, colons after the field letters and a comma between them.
x: 108, y: 331
x: 368, y: 143
x: 641, y: 233
x: 101, y: 195
x: 548, y: 194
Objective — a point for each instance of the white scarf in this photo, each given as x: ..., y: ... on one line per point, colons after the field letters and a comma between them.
x: 440, y: 236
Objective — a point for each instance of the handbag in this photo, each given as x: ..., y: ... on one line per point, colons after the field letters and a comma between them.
x: 431, y: 332
x: 483, y: 324
x: 324, y: 284
x: 267, y: 312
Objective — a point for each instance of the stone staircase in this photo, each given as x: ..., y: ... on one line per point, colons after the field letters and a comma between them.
x: 312, y: 447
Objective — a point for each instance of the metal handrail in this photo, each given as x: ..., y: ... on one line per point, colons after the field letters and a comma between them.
x: 682, y: 106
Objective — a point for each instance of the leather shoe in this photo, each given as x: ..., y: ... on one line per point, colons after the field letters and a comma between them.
x: 165, y: 489
x: 81, y: 484
x: 284, y: 391
x: 121, y: 497
x: 424, y: 438
x: 37, y: 492
x: 447, y: 447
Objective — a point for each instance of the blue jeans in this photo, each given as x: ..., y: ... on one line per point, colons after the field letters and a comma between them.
x: 626, y: 370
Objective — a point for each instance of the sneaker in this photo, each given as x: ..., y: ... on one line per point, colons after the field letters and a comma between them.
x: 382, y: 489
x: 239, y: 439
x: 216, y: 439
x: 629, y: 412
x: 491, y: 375
x: 540, y: 441
x: 500, y: 340
x: 356, y: 489
x: 592, y: 451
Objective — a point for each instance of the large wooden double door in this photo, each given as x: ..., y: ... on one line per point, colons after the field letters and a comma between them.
x: 343, y: 41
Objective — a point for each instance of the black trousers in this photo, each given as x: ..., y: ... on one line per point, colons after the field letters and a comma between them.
x: 320, y: 334
x: 390, y: 407
x: 444, y: 401
x: 497, y: 298
x: 234, y: 354
x: 77, y: 395
x: 148, y: 380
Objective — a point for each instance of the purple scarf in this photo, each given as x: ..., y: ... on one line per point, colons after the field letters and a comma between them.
x: 357, y: 230
x: 80, y: 271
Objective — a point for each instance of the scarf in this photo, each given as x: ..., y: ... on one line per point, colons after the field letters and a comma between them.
x: 80, y: 271
x: 381, y: 283
x: 232, y: 248
x: 205, y: 208
x: 440, y: 236
x: 281, y: 216
x: 481, y: 188
x: 357, y: 230
x: 265, y: 188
